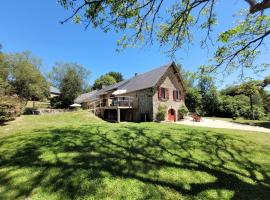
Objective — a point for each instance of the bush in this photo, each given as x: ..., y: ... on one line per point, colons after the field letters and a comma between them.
x: 182, y: 112
x: 10, y: 108
x: 258, y: 113
x: 161, y: 114
x: 238, y: 106
x: 193, y: 100
x: 56, y: 102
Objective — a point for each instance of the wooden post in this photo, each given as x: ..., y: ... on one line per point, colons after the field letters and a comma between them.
x: 118, y: 115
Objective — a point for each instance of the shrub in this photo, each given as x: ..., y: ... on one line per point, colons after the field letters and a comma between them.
x: 258, y: 113
x: 182, y: 112
x: 193, y: 100
x: 238, y: 106
x: 10, y: 108
x: 56, y: 102
x: 161, y: 114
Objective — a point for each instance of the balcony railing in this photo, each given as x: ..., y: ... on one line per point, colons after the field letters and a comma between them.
x: 122, y: 101
x: 114, y: 102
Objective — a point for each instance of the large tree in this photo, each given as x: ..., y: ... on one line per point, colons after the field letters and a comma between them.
x: 70, y: 87
x: 71, y: 79
x: 60, y: 69
x: 118, y: 76
x: 209, y: 94
x: 172, y: 23
x: 22, y: 73
x: 104, y: 80
x: 4, y: 85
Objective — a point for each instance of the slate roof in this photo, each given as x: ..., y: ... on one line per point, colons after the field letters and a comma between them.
x: 86, y: 97
x: 54, y: 90
x: 145, y: 80
x: 138, y: 82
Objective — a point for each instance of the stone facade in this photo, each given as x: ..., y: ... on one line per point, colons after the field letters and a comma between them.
x: 171, y: 81
x: 146, y: 102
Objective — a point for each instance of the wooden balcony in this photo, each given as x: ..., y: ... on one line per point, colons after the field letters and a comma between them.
x: 123, y: 102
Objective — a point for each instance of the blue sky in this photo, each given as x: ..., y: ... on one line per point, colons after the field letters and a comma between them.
x: 34, y: 25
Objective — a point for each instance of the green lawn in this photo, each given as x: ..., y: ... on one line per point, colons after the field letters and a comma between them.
x: 76, y: 156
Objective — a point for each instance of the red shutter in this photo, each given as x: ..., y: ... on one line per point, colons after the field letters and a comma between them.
x: 159, y: 93
x: 167, y: 93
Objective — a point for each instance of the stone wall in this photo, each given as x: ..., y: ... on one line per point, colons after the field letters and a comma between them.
x: 171, y: 81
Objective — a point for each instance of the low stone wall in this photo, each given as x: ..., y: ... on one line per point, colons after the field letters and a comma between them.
x: 49, y: 111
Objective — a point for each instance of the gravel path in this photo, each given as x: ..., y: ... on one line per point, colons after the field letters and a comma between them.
x: 222, y: 124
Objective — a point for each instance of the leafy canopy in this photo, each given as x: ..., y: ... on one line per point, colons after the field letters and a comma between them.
x: 108, y: 79
x: 104, y: 80
x: 70, y: 87
x: 172, y: 24
x: 60, y: 69
x: 71, y: 79
x: 116, y: 75
x: 21, y: 72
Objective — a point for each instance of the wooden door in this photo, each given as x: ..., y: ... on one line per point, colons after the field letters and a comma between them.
x: 171, y: 115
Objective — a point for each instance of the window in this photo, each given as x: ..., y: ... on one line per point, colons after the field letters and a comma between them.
x: 163, y: 93
x: 177, y: 95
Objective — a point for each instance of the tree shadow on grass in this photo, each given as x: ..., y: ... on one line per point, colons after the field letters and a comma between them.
x: 75, y: 162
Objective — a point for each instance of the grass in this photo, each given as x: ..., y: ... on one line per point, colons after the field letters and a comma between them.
x: 260, y: 123
x: 77, y: 156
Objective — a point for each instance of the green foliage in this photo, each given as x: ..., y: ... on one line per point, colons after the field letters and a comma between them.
x: 70, y: 87
x: 71, y: 79
x: 249, y: 100
x: 104, y: 80
x: 193, y: 100
x: 10, y: 108
x: 231, y: 91
x: 109, y: 78
x: 240, y: 44
x: 5, y: 87
x: 238, y: 106
x: 161, y: 113
x: 172, y: 25
x: 182, y: 112
x: 116, y: 75
x: 60, y: 69
x: 25, y: 77
x: 233, y: 106
x: 208, y: 91
x: 56, y: 102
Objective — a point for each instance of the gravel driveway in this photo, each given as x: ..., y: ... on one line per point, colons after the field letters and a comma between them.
x: 222, y: 124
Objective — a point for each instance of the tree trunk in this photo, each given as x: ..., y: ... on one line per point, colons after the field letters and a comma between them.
x: 251, y: 107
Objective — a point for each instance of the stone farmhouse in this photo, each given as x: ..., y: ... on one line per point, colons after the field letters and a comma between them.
x: 138, y: 98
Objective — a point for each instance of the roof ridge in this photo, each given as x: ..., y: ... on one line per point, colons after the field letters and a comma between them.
x: 163, y: 66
